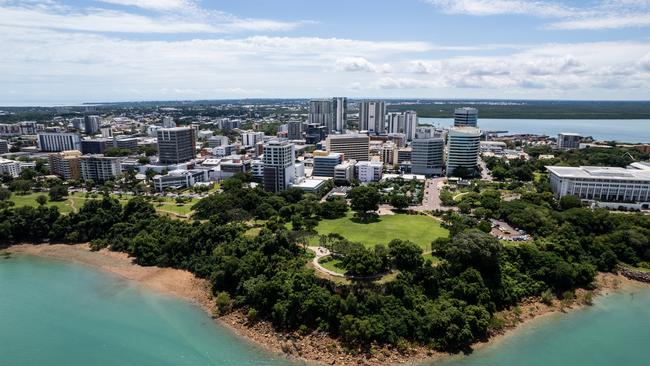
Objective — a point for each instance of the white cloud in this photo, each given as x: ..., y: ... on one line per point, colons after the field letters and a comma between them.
x: 644, y: 63
x: 355, y: 64
x: 605, y: 14
x: 159, y: 5
x: 56, y: 16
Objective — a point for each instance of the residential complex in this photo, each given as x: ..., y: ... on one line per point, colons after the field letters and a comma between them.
x: 568, y: 141
x: 371, y: 116
x: 57, y: 141
x: 279, y: 169
x: 99, y: 168
x: 66, y: 164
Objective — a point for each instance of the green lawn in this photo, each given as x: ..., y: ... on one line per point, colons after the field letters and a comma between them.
x: 333, y: 265
x: 30, y: 200
x: 419, y: 229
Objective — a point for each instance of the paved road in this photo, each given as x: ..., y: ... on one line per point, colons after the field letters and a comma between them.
x: 431, y: 199
x: 485, y: 172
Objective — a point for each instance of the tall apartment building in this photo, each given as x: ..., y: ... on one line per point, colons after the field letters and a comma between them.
x: 249, y: 139
x: 321, y: 112
x: 340, y: 110
x: 294, y: 130
x: 77, y: 123
x: 463, y: 145
x: 4, y: 147
x: 372, y: 114
x: 176, y: 145
x: 168, y: 122
x: 58, y: 141
x: 403, y: 122
x: 388, y: 153
x: 66, y: 164
x: 99, y: 168
x: 279, y: 164
x: 568, y: 141
x: 353, y: 146
x: 466, y: 117
x: 608, y: 184
x: 325, y: 162
x: 91, y: 124
x: 428, y: 156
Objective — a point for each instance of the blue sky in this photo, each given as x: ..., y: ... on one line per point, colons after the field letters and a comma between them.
x: 58, y: 51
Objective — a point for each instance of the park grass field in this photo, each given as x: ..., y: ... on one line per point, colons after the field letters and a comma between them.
x: 421, y: 230
x: 334, y: 265
x: 30, y: 200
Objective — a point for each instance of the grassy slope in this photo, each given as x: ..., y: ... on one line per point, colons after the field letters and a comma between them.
x: 421, y: 230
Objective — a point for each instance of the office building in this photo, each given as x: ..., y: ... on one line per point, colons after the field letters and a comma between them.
x: 321, y: 113
x: 404, y: 154
x: 179, y: 179
x: 315, y: 133
x: 372, y: 114
x: 257, y: 170
x: 96, y: 146
x: 403, y: 122
x: 325, y: 162
x: 608, y: 184
x: 106, y: 131
x: 294, y: 130
x: 428, y: 156
x: 344, y: 172
x: 463, y: 145
x: 466, y: 117
x: 66, y: 164
x: 224, y: 150
x: 279, y: 159
x: 99, y: 168
x: 4, y: 147
x: 168, y: 122
x: 91, y: 124
x: 128, y: 143
x: 249, y: 139
x: 388, y: 153
x: 176, y: 145
x: 568, y: 141
x: 340, y: 110
x: 216, y: 141
x: 369, y: 171
x: 77, y: 123
x: 10, y: 167
x: 353, y: 146
x: 58, y: 141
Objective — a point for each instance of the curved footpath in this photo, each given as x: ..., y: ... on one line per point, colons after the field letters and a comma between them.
x: 313, y: 348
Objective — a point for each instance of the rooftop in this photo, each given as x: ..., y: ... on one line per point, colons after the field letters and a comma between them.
x: 599, y: 172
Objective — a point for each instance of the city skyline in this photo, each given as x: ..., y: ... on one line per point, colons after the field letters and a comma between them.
x: 69, y: 52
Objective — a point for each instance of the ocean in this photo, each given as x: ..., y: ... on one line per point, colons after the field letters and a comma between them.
x: 56, y: 313
x: 622, y: 130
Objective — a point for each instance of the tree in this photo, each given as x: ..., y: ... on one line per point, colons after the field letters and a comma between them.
x: 569, y: 202
x: 21, y: 186
x: 405, y: 255
x: 399, y: 201
x: 5, y: 194
x: 364, y: 199
x: 41, y: 200
x: 333, y: 208
x: 472, y: 248
x: 58, y: 192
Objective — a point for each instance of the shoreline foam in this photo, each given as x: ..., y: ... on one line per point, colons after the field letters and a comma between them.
x: 315, y: 348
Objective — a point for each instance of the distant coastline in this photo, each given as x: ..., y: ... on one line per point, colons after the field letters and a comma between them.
x: 313, y: 348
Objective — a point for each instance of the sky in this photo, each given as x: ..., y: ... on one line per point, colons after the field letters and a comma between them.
x: 72, y: 51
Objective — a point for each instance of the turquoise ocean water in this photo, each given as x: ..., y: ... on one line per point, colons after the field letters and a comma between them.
x: 55, y: 313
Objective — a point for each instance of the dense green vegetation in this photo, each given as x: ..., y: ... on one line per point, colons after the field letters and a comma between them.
x: 536, y: 109
x: 447, y: 307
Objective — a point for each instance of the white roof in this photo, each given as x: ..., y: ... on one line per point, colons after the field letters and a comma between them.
x: 599, y: 172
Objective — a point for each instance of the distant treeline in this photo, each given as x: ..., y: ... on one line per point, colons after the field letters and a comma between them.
x: 535, y: 109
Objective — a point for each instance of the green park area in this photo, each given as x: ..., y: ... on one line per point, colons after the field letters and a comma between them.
x: 419, y: 229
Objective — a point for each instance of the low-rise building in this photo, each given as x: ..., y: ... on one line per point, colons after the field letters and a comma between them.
x: 369, y: 171
x: 324, y: 163
x: 344, y: 172
x: 10, y: 167
x: 179, y: 179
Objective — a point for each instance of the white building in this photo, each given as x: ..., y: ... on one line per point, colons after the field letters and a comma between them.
x: 57, y: 141
x: 404, y: 122
x: 568, y: 141
x: 216, y: 141
x: 372, y: 114
x: 99, y: 168
x: 10, y: 167
x: 340, y: 110
x: 462, y: 148
x: 344, y: 172
x: 168, y: 122
x: 608, y: 184
x: 369, y: 171
x: 249, y: 139
x: 179, y: 179
x: 321, y: 113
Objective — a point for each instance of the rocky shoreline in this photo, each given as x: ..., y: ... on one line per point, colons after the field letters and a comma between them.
x: 315, y: 347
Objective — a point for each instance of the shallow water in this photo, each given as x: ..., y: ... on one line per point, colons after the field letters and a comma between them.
x: 56, y: 313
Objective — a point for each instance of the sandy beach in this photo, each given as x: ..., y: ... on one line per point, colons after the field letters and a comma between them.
x: 315, y: 348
